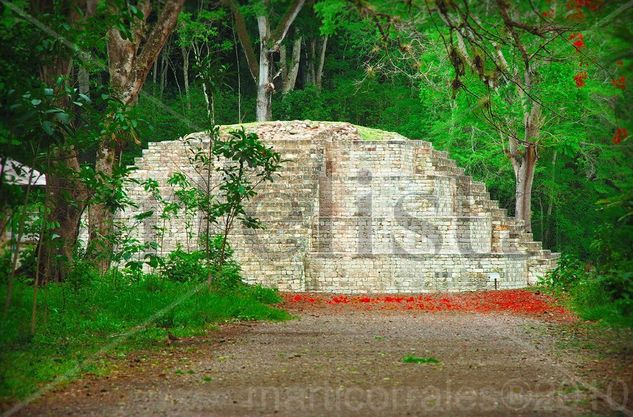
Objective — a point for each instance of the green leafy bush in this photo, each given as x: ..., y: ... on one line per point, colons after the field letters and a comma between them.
x: 567, y: 274
x: 600, y: 294
x: 182, y: 266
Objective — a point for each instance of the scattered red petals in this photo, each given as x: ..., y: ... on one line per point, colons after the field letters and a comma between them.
x: 512, y: 301
x: 619, y: 83
x: 620, y: 134
x: 580, y: 78
x: 579, y: 41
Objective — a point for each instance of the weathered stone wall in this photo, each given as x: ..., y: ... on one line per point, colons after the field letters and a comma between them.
x: 353, y: 215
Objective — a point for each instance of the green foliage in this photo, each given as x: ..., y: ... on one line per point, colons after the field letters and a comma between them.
x: 194, y: 266
x: 333, y: 14
x: 242, y: 162
x: 606, y: 297
x: 181, y: 266
x: 5, y: 266
x: 602, y: 294
x: 75, y: 320
x: 568, y: 273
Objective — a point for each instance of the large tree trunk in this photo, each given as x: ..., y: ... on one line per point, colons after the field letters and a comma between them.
x: 524, y: 178
x: 65, y: 201
x: 524, y: 159
x: 99, y: 216
x: 66, y: 194
x: 129, y: 63
x: 265, y: 87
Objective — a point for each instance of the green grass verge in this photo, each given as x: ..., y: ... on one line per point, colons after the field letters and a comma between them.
x: 591, y: 302
x: 75, y: 323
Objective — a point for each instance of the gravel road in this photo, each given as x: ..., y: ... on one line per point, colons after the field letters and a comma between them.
x: 344, y: 363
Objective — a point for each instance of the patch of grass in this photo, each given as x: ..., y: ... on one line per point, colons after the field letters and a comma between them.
x: 430, y: 360
x: 369, y: 134
x: 74, y: 323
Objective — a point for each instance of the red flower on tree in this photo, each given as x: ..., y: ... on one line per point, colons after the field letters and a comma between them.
x: 575, y: 7
x: 580, y: 78
x: 619, y: 83
x: 579, y: 41
x: 620, y: 134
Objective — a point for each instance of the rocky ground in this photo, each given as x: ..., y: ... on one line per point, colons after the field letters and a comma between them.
x: 346, y: 359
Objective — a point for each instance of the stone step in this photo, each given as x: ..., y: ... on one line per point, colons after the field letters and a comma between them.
x: 532, y: 247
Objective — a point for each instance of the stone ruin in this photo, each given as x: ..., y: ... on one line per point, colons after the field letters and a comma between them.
x: 356, y: 210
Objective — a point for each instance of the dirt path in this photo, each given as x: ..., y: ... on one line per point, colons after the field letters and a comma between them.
x: 347, y: 363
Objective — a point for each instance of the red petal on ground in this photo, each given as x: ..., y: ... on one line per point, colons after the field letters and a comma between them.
x: 521, y: 302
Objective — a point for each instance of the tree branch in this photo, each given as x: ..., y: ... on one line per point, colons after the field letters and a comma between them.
x: 284, y: 25
x: 244, y: 37
x: 157, y: 37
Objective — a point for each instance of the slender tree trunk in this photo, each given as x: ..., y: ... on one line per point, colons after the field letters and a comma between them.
x: 173, y: 70
x: 310, y: 67
x: 239, y: 77
x: 206, y: 88
x: 154, y: 77
x: 36, y: 284
x: 265, y: 86
x: 290, y: 78
x: 268, y: 43
x: 319, y: 73
x: 163, y: 74
x: 283, y: 62
x: 524, y: 164
x: 5, y: 215
x: 185, y: 74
